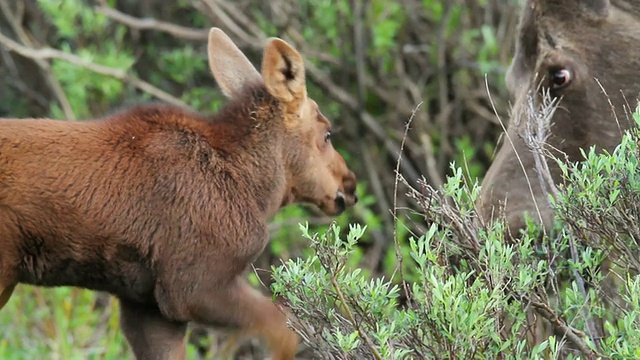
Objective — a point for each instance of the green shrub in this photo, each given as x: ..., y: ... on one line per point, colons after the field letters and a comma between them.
x: 475, y: 293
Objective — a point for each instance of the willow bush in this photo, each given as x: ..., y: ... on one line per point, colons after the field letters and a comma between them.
x: 472, y: 291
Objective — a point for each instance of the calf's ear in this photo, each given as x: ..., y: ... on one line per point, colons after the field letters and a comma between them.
x: 230, y: 67
x: 283, y: 72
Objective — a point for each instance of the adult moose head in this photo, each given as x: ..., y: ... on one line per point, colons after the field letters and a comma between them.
x: 571, y: 48
x: 165, y: 208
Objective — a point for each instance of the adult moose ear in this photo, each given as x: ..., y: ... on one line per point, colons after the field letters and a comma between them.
x: 230, y: 67
x: 283, y: 72
x: 599, y: 7
x: 526, y: 50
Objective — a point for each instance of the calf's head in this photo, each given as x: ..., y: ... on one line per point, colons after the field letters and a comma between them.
x: 574, y: 50
x: 315, y: 172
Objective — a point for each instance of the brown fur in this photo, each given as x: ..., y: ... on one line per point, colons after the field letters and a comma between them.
x: 591, y: 39
x: 165, y: 208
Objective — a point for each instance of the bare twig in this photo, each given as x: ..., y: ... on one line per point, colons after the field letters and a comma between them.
x: 241, y: 18
x: 537, y: 126
x: 613, y: 108
x: 574, y: 335
x: 396, y: 241
x: 49, y: 53
x: 153, y: 24
x: 17, y: 83
x: 515, y: 151
x: 443, y: 84
x: 538, y: 123
x: 218, y: 11
x: 15, y: 19
x: 430, y: 159
x: 372, y: 124
x: 353, y: 321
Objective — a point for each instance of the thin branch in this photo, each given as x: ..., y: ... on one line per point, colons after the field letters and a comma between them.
x: 353, y: 321
x: 515, y: 151
x: 54, y: 83
x: 49, y: 53
x: 153, y: 24
x: 13, y: 80
x: 537, y: 128
x: 443, y: 119
x: 613, y: 108
x: 241, y: 17
x: 367, y: 119
x: 232, y: 26
x: 574, y: 335
x: 398, y: 250
x: 538, y: 123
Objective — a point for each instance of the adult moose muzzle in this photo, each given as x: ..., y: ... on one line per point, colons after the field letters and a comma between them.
x: 165, y: 208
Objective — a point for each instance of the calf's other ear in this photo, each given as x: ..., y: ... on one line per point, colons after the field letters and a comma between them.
x: 230, y: 67
x: 283, y: 72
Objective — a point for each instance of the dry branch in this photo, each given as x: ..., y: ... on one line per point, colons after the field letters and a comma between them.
x: 537, y: 131
x: 574, y: 335
x: 233, y: 26
x: 153, y: 24
x: 439, y: 210
x: 49, y: 53
x: 15, y: 20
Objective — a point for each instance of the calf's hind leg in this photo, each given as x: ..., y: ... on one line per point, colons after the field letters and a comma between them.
x: 240, y: 306
x: 150, y: 335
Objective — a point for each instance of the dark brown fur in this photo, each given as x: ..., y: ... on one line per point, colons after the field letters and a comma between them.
x: 593, y: 40
x: 165, y: 208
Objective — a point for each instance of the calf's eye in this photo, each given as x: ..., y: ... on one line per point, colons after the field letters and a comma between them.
x: 560, y: 78
x: 327, y: 136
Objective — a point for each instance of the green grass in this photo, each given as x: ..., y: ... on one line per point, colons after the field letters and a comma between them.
x: 63, y: 324
x: 60, y: 323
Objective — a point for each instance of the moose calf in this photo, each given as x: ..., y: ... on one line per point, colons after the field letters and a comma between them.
x: 165, y: 208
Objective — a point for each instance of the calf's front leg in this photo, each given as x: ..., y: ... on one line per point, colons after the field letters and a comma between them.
x: 239, y: 306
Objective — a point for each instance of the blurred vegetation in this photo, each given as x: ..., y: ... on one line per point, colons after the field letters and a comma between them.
x: 371, y: 65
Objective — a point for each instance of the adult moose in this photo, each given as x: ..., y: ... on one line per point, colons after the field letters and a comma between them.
x: 571, y: 48
x: 165, y: 208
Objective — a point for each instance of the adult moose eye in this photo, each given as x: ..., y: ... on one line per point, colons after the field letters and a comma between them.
x: 560, y: 78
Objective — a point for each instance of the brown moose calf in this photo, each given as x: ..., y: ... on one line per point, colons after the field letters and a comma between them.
x: 164, y: 208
